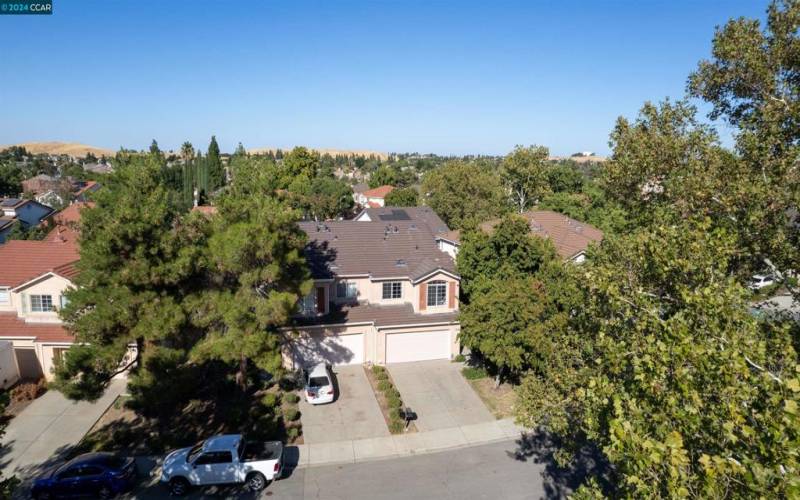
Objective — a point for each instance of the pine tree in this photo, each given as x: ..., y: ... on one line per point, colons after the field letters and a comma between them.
x: 215, y: 177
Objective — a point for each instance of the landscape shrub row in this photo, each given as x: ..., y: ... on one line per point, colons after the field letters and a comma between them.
x: 393, y: 401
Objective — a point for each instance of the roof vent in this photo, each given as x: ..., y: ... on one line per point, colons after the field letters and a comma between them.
x: 400, y: 263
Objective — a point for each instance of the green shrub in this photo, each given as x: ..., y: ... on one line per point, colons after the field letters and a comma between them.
x: 382, y: 376
x: 291, y: 398
x: 384, y: 385
x: 394, y: 401
x: 396, y: 425
x: 459, y: 358
x: 293, y: 432
x: 291, y: 414
x: 270, y: 400
x: 473, y: 373
x: 392, y: 393
x: 377, y: 369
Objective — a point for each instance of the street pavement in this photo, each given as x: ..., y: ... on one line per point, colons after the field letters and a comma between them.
x: 497, y: 471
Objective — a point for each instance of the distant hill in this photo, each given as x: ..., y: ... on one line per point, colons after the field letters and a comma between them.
x: 62, y: 148
x: 322, y: 151
x: 580, y: 159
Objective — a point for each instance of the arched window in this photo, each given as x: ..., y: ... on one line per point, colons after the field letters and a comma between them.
x: 437, y: 293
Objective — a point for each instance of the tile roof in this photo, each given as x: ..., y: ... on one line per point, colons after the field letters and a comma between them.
x: 379, y: 192
x: 205, y: 209
x: 12, y: 326
x: 360, y: 188
x: 378, y: 249
x: 72, y: 214
x: 378, y: 315
x: 569, y: 236
x: 422, y: 214
x: 24, y: 260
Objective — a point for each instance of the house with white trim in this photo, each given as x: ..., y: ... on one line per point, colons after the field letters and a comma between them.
x: 383, y: 293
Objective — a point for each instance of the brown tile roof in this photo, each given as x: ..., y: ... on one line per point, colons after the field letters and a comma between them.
x: 90, y: 185
x: 373, y: 204
x: 72, y: 214
x: 205, y: 209
x: 24, y: 260
x: 421, y: 214
x: 378, y: 249
x: 380, y: 316
x: 379, y: 192
x: 569, y: 236
x: 12, y: 326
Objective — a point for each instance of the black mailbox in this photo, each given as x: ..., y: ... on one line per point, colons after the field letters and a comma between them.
x: 408, y: 415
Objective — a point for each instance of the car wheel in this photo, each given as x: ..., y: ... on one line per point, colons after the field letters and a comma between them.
x: 256, y: 481
x: 178, y: 486
x: 105, y: 493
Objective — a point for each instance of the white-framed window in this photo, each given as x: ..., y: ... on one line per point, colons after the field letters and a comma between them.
x: 41, y: 303
x: 346, y: 290
x: 63, y: 301
x: 437, y: 293
x: 5, y: 296
x: 308, y: 306
x: 392, y: 290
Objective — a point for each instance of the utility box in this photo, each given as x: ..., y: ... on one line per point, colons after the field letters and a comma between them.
x: 9, y: 373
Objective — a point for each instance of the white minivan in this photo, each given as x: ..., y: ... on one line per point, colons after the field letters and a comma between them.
x: 318, y: 384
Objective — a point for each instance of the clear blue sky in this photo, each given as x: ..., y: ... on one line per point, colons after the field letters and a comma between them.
x: 429, y: 76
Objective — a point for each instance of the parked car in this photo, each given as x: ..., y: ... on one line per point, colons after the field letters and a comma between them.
x: 319, y: 384
x: 224, y: 459
x: 95, y: 475
x: 759, y: 281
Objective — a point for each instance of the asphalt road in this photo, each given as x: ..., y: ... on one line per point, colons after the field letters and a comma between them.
x: 496, y: 471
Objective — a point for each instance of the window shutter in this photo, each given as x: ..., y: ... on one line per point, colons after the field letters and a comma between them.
x: 423, y: 296
x: 451, y: 300
x: 24, y: 298
x: 321, y: 300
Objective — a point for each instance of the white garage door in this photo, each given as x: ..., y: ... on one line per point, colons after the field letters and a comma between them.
x: 336, y: 350
x: 418, y: 346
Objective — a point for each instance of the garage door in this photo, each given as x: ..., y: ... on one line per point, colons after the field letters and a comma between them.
x: 28, y: 363
x: 418, y: 346
x: 336, y: 350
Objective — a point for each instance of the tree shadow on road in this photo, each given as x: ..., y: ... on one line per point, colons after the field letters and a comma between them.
x: 560, y: 482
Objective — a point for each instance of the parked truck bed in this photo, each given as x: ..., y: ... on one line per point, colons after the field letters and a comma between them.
x: 255, y: 451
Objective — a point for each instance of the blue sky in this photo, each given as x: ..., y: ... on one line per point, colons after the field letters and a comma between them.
x: 430, y: 76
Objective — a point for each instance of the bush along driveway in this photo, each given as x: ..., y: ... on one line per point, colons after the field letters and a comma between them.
x: 389, y: 400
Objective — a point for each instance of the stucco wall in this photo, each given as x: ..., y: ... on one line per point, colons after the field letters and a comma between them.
x: 51, y: 285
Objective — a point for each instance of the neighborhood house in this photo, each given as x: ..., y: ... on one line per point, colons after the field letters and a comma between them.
x: 570, y: 237
x: 373, y: 198
x: 383, y: 293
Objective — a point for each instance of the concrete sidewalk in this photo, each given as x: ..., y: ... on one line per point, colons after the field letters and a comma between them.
x: 49, y: 427
x: 401, y: 445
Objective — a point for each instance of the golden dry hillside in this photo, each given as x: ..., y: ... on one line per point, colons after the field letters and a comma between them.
x: 62, y: 148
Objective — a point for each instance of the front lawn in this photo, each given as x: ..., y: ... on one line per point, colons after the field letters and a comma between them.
x: 500, y: 401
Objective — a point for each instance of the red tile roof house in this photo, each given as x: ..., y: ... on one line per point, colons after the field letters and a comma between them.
x: 383, y: 293
x: 33, y: 278
x: 373, y: 198
x: 570, y: 237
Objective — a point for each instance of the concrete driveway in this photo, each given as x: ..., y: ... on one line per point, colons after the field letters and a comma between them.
x: 353, y: 415
x: 49, y: 427
x: 439, y: 395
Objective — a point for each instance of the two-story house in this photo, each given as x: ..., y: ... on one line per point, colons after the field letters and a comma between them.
x: 33, y: 278
x: 383, y: 293
x: 373, y: 198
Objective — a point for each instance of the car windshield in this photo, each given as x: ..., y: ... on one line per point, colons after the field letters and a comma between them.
x: 318, y: 381
x: 114, y: 462
x: 196, y: 449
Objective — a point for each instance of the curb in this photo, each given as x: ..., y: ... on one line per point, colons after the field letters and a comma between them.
x: 405, y: 445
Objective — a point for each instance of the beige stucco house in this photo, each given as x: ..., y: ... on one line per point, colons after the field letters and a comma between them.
x: 383, y: 293
x: 33, y: 278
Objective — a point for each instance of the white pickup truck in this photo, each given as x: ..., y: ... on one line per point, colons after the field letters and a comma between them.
x: 225, y: 459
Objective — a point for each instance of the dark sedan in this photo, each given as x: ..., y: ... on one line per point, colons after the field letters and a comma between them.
x: 95, y: 475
